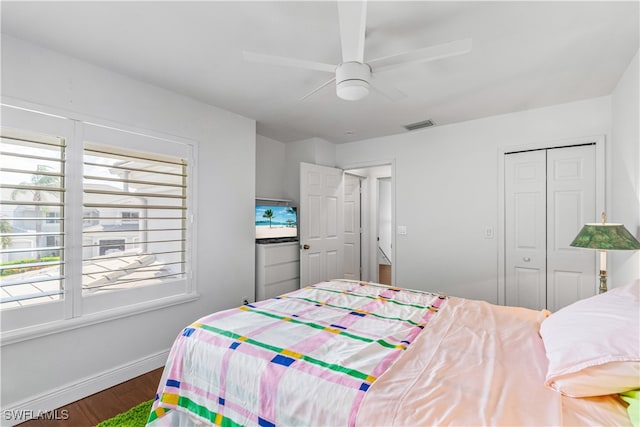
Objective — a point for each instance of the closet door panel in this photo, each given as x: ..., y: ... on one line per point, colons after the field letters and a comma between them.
x: 525, y: 224
x: 571, y: 183
x: 549, y: 196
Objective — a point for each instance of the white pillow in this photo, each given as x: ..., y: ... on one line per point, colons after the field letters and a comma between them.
x: 593, y: 345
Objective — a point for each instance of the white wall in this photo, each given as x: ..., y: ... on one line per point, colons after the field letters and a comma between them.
x: 271, y: 169
x: 446, y: 183
x: 625, y: 171
x: 59, y: 368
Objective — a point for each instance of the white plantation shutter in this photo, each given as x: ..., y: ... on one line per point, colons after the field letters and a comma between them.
x: 138, y: 236
x: 32, y: 196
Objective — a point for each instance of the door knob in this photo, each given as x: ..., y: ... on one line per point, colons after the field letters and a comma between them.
x: 306, y: 246
x: 526, y: 259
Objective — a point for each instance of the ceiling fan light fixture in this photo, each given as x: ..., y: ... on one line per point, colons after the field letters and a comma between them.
x: 352, y: 80
x: 352, y: 90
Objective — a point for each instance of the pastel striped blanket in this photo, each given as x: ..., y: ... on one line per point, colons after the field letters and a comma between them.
x: 304, y: 358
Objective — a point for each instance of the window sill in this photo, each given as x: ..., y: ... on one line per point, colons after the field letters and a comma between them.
x: 59, y: 326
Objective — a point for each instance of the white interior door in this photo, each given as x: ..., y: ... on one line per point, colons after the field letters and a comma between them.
x: 321, y: 224
x: 525, y: 229
x: 549, y: 195
x: 352, y: 227
x: 571, y: 202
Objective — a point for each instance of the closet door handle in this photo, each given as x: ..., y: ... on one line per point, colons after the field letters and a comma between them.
x: 526, y: 259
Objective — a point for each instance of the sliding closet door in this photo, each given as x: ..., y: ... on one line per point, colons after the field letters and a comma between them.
x: 525, y: 223
x: 549, y: 195
x: 571, y: 202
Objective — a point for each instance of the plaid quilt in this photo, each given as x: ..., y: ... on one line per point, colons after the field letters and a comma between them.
x: 305, y: 358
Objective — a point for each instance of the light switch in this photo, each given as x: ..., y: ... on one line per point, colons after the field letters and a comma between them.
x: 488, y: 232
x: 402, y: 229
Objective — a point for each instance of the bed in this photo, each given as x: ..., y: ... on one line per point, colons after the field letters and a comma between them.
x: 347, y: 353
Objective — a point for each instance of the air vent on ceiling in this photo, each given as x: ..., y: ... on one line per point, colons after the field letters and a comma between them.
x: 419, y: 125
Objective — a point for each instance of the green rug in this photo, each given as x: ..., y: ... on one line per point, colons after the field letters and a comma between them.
x: 134, y: 417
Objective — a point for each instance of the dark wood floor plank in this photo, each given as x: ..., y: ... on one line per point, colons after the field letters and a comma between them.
x: 105, y: 404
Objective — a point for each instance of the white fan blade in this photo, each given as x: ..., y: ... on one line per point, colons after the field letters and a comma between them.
x: 318, y: 89
x: 430, y: 53
x: 353, y: 22
x: 288, y: 62
x: 386, y: 90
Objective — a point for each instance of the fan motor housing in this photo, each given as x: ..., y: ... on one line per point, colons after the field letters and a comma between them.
x: 352, y: 80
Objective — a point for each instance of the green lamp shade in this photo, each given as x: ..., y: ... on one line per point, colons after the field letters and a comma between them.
x: 605, y: 236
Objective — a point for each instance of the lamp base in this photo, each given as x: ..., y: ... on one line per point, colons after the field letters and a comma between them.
x: 603, y: 282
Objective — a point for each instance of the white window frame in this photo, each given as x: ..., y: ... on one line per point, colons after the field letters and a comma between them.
x: 76, y: 310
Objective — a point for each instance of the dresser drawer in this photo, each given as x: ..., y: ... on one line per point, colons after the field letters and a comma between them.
x: 279, y: 254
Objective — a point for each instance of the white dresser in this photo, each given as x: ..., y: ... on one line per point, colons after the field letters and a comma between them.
x: 277, y: 269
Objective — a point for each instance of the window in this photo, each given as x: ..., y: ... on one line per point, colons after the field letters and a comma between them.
x: 92, y: 218
x: 52, y: 217
x: 130, y: 217
x: 32, y: 205
x: 108, y: 247
x: 119, y: 253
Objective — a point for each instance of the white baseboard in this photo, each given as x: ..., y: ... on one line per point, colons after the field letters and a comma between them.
x: 61, y: 396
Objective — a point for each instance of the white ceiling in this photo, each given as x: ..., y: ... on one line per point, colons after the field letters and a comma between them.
x: 525, y: 55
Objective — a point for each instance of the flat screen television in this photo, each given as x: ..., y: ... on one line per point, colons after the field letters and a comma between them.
x: 276, y: 224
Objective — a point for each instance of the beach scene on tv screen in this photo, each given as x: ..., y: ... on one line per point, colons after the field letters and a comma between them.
x: 275, y: 222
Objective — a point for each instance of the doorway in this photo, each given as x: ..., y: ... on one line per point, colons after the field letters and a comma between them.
x: 377, y: 240
x: 548, y: 194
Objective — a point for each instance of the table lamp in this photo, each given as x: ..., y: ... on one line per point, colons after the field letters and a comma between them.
x: 605, y: 237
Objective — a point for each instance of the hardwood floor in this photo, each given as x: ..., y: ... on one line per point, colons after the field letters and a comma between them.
x: 384, y: 274
x: 105, y: 404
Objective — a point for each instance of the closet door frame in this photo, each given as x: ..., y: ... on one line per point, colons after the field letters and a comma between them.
x: 598, y: 140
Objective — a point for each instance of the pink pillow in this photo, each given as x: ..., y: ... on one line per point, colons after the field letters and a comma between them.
x: 593, y: 345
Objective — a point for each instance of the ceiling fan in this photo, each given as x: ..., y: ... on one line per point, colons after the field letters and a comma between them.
x: 353, y: 77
